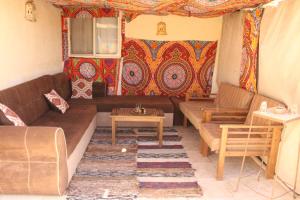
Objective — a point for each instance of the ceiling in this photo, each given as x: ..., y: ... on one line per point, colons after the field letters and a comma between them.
x: 196, y: 8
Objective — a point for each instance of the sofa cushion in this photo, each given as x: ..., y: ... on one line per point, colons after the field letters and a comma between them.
x: 193, y: 110
x: 106, y: 104
x: 27, y: 100
x: 230, y: 96
x: 99, y: 89
x: 62, y: 85
x: 57, y: 101
x: 82, y: 88
x: 74, y: 122
x: 11, y: 116
x: 211, y: 134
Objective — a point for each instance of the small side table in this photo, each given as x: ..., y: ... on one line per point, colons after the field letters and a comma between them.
x: 280, y: 118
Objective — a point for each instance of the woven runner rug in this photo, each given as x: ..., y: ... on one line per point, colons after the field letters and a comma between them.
x: 164, y: 172
x: 144, y: 171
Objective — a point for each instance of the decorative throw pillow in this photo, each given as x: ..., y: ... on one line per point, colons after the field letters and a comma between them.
x: 11, y: 115
x: 57, y: 101
x: 99, y: 89
x: 82, y: 88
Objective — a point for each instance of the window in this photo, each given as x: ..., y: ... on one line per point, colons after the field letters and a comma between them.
x: 95, y: 37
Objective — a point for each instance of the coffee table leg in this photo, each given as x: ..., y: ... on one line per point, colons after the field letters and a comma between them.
x: 161, y: 132
x: 157, y: 130
x: 113, y: 131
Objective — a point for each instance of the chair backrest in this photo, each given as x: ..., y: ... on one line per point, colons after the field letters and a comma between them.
x: 230, y: 96
x: 255, y: 105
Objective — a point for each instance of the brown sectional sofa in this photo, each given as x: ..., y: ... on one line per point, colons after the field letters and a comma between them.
x: 51, y: 137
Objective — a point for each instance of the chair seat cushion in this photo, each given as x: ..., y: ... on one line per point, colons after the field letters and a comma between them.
x: 192, y: 110
x: 74, y: 122
x: 211, y: 134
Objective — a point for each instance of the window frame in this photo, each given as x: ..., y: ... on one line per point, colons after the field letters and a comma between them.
x: 94, y: 54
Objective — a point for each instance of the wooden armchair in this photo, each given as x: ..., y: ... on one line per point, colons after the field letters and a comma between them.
x: 229, y: 96
x: 224, y: 132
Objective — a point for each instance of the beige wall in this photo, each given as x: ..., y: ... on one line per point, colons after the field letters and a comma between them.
x: 28, y: 49
x: 178, y: 28
x: 279, y: 74
x: 279, y: 69
x: 230, y: 49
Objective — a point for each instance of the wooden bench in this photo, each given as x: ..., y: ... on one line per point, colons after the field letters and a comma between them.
x: 229, y: 96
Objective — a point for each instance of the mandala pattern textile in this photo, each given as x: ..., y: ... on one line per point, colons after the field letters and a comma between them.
x: 100, y: 70
x: 168, y: 68
x: 249, y: 65
x: 11, y: 115
x: 196, y: 8
x: 57, y: 101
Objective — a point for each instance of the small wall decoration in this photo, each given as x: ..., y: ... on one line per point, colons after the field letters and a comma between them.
x: 30, y: 11
x: 161, y: 28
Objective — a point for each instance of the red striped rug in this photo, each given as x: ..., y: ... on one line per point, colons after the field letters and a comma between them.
x: 164, y: 172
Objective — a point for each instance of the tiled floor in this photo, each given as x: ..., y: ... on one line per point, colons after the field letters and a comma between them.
x: 249, y: 189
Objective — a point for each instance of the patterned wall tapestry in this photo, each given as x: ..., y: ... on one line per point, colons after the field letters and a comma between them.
x: 249, y: 65
x: 102, y: 70
x: 90, y: 68
x: 167, y: 68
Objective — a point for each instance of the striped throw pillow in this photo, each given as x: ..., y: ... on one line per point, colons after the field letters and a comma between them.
x: 11, y: 115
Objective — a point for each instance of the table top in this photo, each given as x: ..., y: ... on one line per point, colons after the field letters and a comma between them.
x: 281, y: 118
x: 130, y: 112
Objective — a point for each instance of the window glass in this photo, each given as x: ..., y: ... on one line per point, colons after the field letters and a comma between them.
x: 106, y: 35
x: 81, y: 35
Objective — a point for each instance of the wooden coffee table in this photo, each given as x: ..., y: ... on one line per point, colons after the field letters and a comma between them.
x: 128, y: 115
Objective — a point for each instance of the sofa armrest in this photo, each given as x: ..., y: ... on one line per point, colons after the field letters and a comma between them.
x: 225, y: 115
x: 33, y: 160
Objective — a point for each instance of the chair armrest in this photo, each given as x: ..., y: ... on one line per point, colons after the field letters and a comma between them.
x: 36, y: 158
x: 224, y: 115
x: 246, y: 126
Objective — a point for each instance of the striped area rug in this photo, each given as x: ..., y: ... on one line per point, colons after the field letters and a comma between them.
x: 104, y: 171
x: 144, y: 171
x: 164, y: 172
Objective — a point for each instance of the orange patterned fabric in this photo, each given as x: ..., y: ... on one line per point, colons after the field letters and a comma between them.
x: 167, y: 68
x: 249, y: 65
x: 196, y: 8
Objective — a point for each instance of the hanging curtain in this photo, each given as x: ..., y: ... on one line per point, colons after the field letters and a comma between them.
x: 196, y: 8
x: 249, y: 65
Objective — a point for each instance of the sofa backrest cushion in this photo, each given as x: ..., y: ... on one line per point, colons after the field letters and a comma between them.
x: 255, y: 105
x: 99, y: 89
x: 62, y: 85
x: 230, y: 96
x: 27, y: 99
